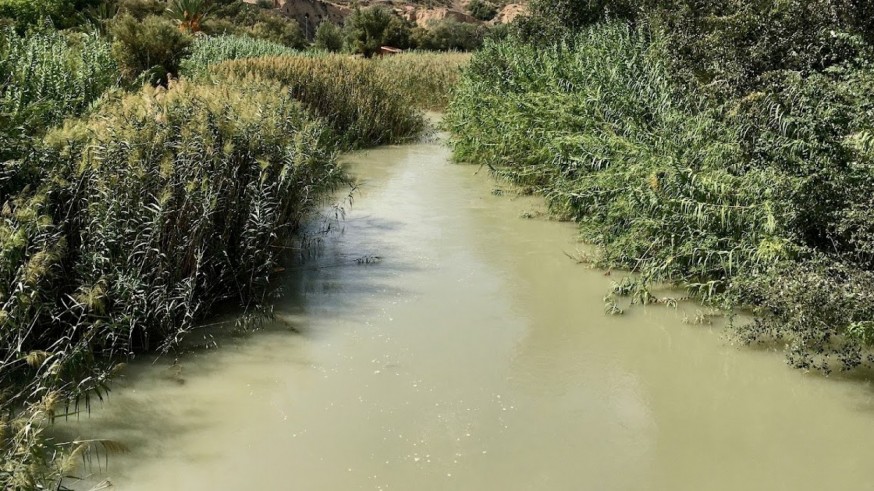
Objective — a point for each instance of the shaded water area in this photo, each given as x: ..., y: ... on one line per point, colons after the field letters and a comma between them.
x: 474, y: 355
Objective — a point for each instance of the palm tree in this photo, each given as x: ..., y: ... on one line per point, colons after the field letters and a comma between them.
x: 189, y: 13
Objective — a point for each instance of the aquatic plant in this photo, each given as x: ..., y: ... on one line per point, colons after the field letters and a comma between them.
x: 44, y: 77
x: 210, y: 50
x: 357, y: 99
x: 761, y: 200
x: 151, y: 210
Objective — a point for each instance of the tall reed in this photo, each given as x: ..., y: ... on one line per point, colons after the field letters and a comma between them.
x: 356, y: 98
x: 45, y: 77
x: 761, y: 201
x: 210, y: 50
x: 154, y: 208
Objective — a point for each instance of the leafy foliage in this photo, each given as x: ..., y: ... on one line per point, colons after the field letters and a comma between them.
x: 740, y: 169
x: 189, y: 14
x: 25, y: 13
x: 207, y: 51
x: 368, y: 29
x: 152, y: 48
x: 482, y: 10
x: 449, y: 35
x: 329, y: 37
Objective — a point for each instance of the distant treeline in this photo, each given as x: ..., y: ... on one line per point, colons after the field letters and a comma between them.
x: 723, y: 146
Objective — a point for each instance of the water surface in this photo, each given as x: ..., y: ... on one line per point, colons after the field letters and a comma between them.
x: 474, y: 355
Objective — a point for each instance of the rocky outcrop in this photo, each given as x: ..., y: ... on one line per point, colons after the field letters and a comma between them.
x: 509, y: 13
x: 422, y: 17
x: 310, y: 13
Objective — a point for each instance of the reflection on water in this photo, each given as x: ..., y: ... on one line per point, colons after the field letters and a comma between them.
x: 474, y: 356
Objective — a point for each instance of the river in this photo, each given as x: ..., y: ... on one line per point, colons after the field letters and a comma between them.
x: 473, y: 355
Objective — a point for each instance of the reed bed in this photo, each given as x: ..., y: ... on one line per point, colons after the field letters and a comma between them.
x: 351, y: 94
x: 123, y: 227
x: 760, y: 201
x: 428, y: 76
x: 153, y: 209
x: 45, y: 77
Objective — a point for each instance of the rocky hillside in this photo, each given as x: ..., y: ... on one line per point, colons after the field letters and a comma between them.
x: 310, y: 13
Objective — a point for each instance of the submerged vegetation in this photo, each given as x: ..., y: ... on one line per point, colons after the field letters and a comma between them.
x: 132, y: 201
x: 726, y: 148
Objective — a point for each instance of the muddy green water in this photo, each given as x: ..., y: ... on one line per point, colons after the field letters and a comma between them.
x: 474, y: 356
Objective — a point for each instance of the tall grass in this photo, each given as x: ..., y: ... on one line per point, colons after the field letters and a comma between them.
x: 756, y: 201
x: 429, y: 77
x: 354, y: 96
x: 155, y: 208
x: 210, y: 50
x: 45, y: 77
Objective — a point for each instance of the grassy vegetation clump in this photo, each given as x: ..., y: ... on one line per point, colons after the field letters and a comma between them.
x: 729, y: 166
x: 153, y: 209
x: 207, y: 51
x: 46, y: 76
x: 429, y: 78
x: 358, y: 99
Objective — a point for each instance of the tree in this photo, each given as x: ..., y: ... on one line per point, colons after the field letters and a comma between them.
x: 329, y: 37
x: 482, y: 10
x: 448, y: 34
x: 368, y: 29
x: 189, y: 14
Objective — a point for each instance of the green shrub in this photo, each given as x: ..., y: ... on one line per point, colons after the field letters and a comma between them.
x: 26, y: 13
x: 152, y: 49
x: 368, y: 29
x: 482, y: 10
x: 241, y: 19
x: 329, y: 37
x: 140, y: 9
x: 279, y: 30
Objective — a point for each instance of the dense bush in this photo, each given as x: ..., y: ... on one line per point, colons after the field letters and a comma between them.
x: 482, y: 10
x: 754, y: 190
x: 241, y: 19
x: 140, y: 9
x: 368, y: 29
x: 359, y: 101
x: 152, y: 48
x: 60, y: 13
x: 329, y: 37
x: 153, y: 209
x: 449, y: 35
x: 726, y: 46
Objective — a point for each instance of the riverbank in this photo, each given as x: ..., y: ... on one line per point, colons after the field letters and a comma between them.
x: 473, y: 355
x: 749, y: 186
x: 130, y: 216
